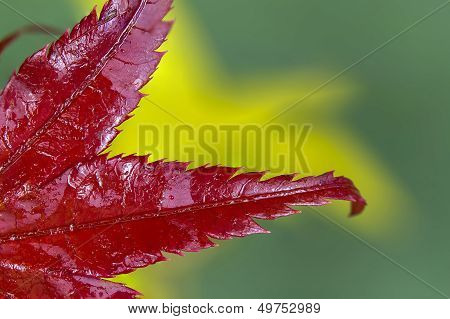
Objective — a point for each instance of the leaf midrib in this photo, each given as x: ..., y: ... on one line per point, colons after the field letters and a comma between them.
x: 66, y: 229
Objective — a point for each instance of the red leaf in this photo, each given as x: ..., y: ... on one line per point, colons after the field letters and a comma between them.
x: 109, y: 217
x: 63, y: 105
x: 69, y: 217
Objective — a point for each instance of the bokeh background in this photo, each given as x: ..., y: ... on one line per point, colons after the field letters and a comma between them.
x: 384, y: 123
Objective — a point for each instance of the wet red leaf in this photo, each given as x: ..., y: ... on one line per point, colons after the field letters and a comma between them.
x: 70, y: 217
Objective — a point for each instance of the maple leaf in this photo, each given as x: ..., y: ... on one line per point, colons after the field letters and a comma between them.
x: 69, y: 216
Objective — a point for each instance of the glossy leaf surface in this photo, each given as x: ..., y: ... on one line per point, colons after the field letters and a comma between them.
x: 70, y: 217
x: 64, y: 103
x: 108, y: 217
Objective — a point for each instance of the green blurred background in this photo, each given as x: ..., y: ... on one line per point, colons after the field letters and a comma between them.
x: 384, y: 124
